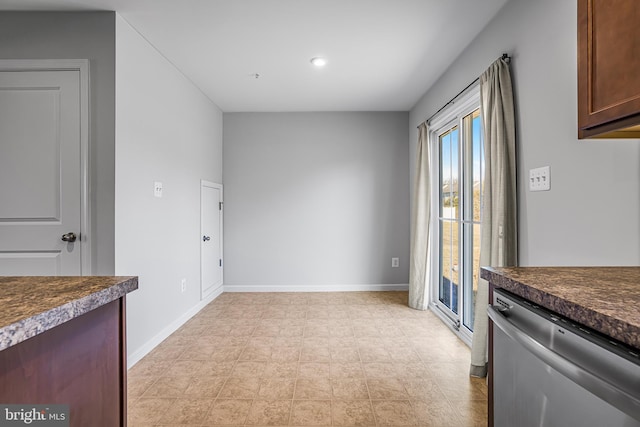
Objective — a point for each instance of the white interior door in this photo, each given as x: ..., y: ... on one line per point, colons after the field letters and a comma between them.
x: 40, y: 172
x: 211, y: 238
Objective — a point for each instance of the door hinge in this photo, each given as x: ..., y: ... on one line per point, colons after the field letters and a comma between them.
x: 220, y: 205
x: 220, y: 263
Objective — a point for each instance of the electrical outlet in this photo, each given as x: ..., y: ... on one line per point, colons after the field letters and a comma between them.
x: 395, y: 262
x: 183, y: 285
x: 540, y: 179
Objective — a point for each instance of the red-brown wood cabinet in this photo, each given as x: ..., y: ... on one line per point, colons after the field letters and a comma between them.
x: 609, y: 68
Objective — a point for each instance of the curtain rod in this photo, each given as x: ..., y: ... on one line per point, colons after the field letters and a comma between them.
x: 504, y: 56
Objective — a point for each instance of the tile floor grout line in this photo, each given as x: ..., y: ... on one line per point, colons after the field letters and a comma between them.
x: 384, y: 313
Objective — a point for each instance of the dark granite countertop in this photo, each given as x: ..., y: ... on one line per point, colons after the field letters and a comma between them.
x: 32, y: 305
x: 606, y: 299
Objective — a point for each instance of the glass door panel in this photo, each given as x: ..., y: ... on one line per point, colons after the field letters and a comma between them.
x: 473, y: 186
x: 461, y: 175
x: 449, y: 213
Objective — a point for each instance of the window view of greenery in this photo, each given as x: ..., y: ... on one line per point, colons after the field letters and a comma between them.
x: 449, y: 226
x: 461, y: 187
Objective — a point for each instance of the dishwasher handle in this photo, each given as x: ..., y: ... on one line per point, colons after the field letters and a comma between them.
x: 593, y: 383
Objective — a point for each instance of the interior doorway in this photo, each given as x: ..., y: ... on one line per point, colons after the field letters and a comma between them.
x: 211, y: 265
x: 43, y: 167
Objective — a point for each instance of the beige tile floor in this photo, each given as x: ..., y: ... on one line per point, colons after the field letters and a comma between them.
x: 308, y: 359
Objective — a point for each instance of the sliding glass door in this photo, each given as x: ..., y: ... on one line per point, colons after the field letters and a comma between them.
x: 460, y: 187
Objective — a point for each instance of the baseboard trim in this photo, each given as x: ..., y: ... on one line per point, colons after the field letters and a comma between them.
x: 136, y: 356
x: 315, y: 288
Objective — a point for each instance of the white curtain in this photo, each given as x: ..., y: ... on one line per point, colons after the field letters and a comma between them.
x: 420, y: 218
x: 498, y: 246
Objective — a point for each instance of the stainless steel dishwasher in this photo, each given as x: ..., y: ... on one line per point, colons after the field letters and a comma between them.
x: 550, y: 372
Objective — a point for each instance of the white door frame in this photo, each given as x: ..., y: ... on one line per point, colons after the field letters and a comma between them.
x: 82, y: 66
x: 204, y: 183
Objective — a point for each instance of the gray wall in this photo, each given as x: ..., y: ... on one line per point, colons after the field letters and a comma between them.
x: 168, y: 131
x: 591, y: 216
x: 315, y: 200
x: 79, y: 35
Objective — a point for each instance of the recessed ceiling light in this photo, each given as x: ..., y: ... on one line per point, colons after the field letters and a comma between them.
x: 319, y: 61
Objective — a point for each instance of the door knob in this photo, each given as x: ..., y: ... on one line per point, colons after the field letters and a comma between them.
x: 69, y: 237
x: 206, y: 238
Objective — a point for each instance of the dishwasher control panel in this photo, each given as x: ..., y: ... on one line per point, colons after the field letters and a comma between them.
x: 504, y: 300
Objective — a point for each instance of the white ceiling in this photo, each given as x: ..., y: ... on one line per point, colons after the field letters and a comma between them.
x: 382, y: 55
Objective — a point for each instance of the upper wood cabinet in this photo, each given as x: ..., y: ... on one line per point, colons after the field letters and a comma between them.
x: 609, y: 68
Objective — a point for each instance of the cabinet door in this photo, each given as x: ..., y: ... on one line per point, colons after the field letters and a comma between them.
x: 608, y: 65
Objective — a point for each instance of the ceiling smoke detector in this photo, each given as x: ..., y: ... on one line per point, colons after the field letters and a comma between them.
x: 319, y: 61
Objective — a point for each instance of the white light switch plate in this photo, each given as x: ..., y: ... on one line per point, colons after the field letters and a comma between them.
x: 157, y: 189
x: 540, y: 179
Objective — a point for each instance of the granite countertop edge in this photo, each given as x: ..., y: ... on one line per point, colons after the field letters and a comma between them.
x: 614, y: 327
x: 24, y: 329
